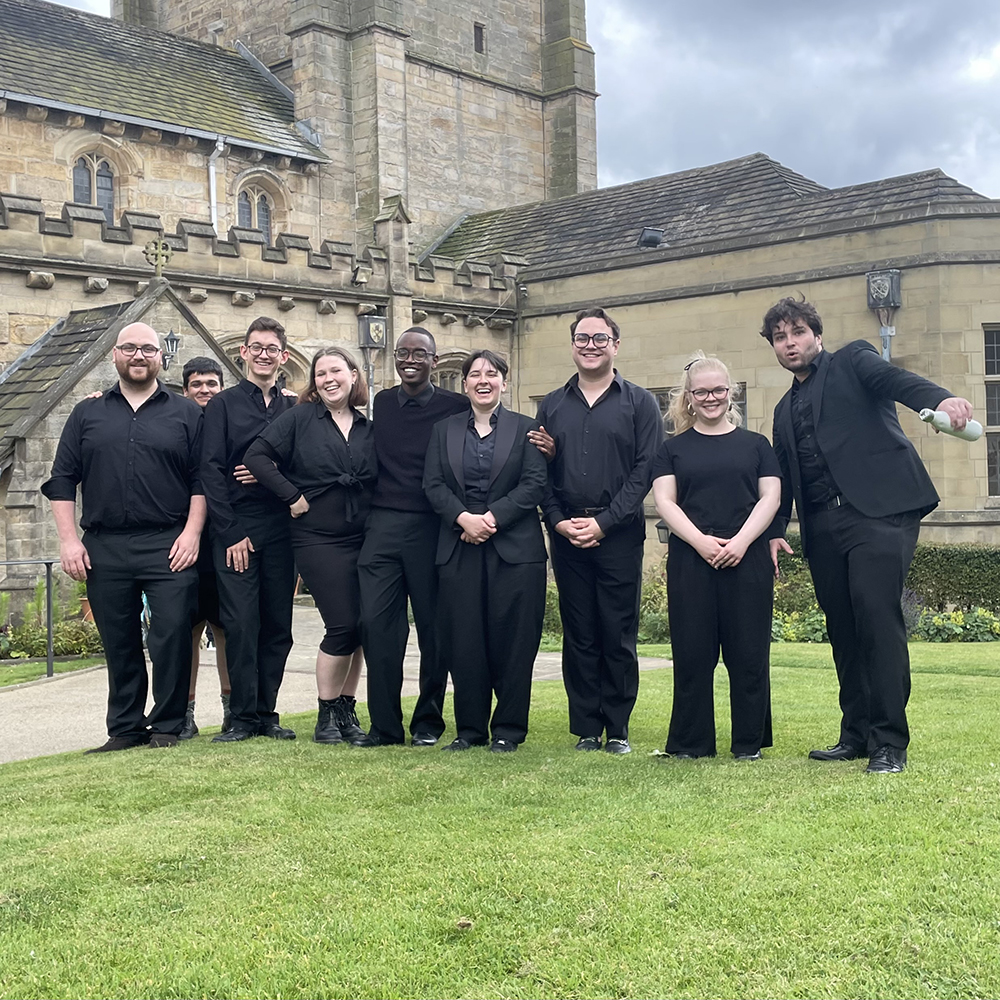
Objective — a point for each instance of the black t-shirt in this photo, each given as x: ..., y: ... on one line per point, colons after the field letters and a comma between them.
x: 716, y: 476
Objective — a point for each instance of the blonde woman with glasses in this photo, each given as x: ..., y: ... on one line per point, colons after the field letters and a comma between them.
x: 718, y: 487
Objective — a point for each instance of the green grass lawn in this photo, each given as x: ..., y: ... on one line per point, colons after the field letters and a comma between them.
x: 294, y: 870
x: 18, y: 673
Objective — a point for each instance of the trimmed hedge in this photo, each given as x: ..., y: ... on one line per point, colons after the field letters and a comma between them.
x: 963, y: 576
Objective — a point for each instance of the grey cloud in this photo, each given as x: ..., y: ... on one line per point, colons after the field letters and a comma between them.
x: 843, y: 92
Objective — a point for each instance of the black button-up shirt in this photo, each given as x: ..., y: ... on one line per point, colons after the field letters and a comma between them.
x: 312, y: 455
x: 604, y: 452
x: 477, y: 463
x: 421, y: 399
x: 233, y: 419
x: 818, y: 486
x: 137, y: 468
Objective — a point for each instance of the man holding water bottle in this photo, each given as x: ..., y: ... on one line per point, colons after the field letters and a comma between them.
x: 860, y: 490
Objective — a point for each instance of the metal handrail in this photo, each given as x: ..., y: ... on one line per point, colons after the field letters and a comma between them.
x: 48, y: 563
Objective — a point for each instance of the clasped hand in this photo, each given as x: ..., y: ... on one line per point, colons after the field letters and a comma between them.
x: 476, y: 528
x: 583, y: 532
x: 722, y: 553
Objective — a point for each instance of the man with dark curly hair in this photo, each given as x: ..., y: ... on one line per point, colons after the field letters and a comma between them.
x: 860, y: 491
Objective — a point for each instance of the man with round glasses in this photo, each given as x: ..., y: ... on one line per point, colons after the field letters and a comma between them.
x: 601, y: 434
x: 251, y: 533
x: 397, y: 560
x: 133, y: 451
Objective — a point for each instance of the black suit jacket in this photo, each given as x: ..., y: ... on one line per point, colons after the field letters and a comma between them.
x: 873, y: 463
x: 517, y: 483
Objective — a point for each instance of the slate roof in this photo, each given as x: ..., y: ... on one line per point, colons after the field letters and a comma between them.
x: 736, y: 200
x: 100, y: 66
x: 33, y: 373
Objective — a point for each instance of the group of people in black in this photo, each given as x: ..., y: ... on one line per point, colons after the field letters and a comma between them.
x: 213, y: 504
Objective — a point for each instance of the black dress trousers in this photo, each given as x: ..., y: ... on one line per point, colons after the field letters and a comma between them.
x: 599, y: 605
x: 256, y: 611
x: 123, y: 565
x: 490, y: 616
x: 397, y: 559
x: 712, y: 609
x: 859, y: 566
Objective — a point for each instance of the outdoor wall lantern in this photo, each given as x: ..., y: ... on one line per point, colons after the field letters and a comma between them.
x: 884, y: 298
x: 662, y: 532
x: 170, y: 344
x: 372, y: 333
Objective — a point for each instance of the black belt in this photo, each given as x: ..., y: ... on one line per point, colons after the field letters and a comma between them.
x: 837, y: 501
x: 587, y: 511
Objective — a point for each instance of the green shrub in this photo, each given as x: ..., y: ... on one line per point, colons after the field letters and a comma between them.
x: 799, y: 626
x: 69, y: 638
x: 976, y: 625
x: 552, y: 625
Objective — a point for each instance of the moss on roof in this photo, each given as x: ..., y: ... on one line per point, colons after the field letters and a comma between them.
x: 56, y: 53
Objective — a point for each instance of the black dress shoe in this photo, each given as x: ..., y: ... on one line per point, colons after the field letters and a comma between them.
x: 839, y: 751
x: 589, y: 743
x: 234, y: 735
x: 121, y: 743
x: 748, y: 756
x: 160, y: 740
x: 681, y: 755
x: 617, y: 746
x: 886, y: 760
x: 460, y: 744
x: 502, y: 746
x: 374, y: 740
x: 423, y: 740
x: 277, y: 732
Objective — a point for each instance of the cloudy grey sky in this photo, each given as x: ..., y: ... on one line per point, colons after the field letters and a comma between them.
x: 843, y: 91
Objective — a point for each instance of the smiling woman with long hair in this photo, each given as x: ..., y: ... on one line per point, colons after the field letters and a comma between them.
x: 717, y: 487
x: 319, y: 458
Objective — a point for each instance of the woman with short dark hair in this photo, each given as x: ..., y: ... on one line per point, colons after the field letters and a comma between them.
x: 319, y: 458
x: 485, y: 479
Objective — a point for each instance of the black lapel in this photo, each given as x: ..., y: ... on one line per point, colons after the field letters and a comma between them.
x: 456, y: 443
x: 506, y: 432
x: 787, y: 429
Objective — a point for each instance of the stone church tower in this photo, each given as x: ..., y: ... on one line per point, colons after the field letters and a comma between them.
x: 458, y: 106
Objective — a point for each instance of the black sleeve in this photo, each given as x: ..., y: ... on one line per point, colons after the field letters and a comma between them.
x: 273, y: 451
x: 663, y: 463
x: 883, y: 379
x: 67, y: 469
x: 767, y: 461
x: 648, y: 435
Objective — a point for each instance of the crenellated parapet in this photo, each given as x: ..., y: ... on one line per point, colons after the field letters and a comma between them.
x: 474, y: 292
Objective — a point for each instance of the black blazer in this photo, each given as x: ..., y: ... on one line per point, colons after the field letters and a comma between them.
x: 517, y: 483
x: 876, y: 468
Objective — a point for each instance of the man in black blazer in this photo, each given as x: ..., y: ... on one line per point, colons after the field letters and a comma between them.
x: 860, y: 491
x: 485, y: 480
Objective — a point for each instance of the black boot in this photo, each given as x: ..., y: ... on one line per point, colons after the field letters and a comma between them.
x: 227, y: 723
x: 190, y: 729
x: 327, y: 730
x: 347, y: 719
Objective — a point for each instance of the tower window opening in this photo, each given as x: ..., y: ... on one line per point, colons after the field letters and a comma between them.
x: 479, y: 37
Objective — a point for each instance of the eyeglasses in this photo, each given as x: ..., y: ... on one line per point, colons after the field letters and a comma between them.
x: 271, y: 350
x: 147, y: 350
x: 598, y: 339
x: 418, y: 354
x: 719, y: 392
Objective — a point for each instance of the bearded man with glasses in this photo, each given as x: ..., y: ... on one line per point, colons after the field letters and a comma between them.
x: 134, y: 453
x: 251, y: 538
x: 600, y: 434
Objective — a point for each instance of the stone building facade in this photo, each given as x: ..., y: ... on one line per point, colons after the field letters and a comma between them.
x: 434, y: 161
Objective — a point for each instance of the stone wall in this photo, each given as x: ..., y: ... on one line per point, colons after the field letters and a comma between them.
x: 156, y: 172
x: 674, y: 305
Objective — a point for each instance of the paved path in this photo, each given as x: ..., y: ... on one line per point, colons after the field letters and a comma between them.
x: 67, y: 712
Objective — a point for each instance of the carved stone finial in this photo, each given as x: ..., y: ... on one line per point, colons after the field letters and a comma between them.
x: 157, y: 253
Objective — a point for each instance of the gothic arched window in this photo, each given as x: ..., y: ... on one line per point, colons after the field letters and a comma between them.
x: 94, y: 184
x: 254, y: 210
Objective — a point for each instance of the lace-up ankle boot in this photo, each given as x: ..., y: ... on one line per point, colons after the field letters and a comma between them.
x: 347, y: 719
x: 327, y: 730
